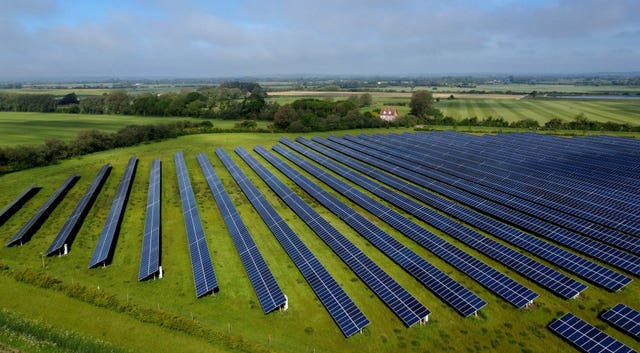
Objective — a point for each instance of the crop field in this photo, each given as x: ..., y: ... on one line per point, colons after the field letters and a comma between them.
x: 35, y: 128
x: 234, y: 311
x: 543, y: 110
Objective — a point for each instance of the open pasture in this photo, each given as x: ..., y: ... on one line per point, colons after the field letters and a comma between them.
x: 306, y: 326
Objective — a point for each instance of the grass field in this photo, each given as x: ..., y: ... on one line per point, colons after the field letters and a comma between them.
x: 543, y: 110
x: 305, y: 327
x: 35, y: 128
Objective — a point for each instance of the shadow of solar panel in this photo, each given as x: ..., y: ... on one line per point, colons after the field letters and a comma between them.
x: 585, y: 336
x: 150, y: 256
x: 264, y: 284
x: 35, y: 222
x: 105, y: 247
x: 17, y: 203
x: 341, y: 308
x: 399, y: 300
x: 457, y: 296
x: 204, y: 275
x: 625, y: 318
x: 61, y: 244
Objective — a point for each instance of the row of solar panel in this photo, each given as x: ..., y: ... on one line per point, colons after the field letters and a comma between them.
x: 573, y: 208
x: 456, y: 189
x: 585, y: 336
x: 529, y: 199
x: 105, y: 247
x: 342, y: 309
x: 500, y: 154
x: 547, y: 277
x: 592, y: 203
x: 264, y: 284
x: 398, y: 299
x: 204, y: 275
x: 558, y: 256
x: 456, y: 295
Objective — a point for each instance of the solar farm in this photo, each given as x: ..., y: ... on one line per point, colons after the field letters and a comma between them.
x: 424, y: 242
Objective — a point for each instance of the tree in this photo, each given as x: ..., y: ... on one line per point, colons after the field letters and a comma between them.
x: 284, y: 117
x: 421, y: 103
x: 67, y: 99
x: 117, y: 102
x: 365, y: 100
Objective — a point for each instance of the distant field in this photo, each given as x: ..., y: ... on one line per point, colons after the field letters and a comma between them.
x: 516, y: 88
x: 35, y: 128
x: 543, y: 110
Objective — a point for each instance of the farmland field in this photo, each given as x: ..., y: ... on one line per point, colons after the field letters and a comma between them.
x: 306, y: 326
x: 543, y: 110
x: 35, y: 128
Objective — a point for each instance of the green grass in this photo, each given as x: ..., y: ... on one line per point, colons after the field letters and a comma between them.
x: 35, y: 128
x: 305, y: 327
x: 543, y: 110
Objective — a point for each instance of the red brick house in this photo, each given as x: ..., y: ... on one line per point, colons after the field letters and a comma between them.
x: 388, y: 114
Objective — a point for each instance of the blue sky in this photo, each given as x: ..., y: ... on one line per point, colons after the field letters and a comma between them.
x: 198, y: 38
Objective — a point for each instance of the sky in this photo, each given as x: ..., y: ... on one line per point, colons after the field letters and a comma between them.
x: 203, y: 39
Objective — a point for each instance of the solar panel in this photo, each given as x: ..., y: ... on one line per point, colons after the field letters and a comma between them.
x: 17, y: 203
x: 65, y: 237
x: 264, y: 284
x: 204, y: 275
x: 517, y: 195
x: 625, y: 318
x: 585, y: 336
x: 505, y: 287
x: 106, y: 242
x: 582, y: 194
x: 398, y: 299
x: 452, y: 292
x: 33, y: 224
x: 342, y: 309
x: 459, y: 191
x: 585, y: 268
x: 150, y: 257
x: 518, y: 295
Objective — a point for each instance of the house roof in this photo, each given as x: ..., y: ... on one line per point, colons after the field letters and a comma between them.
x: 388, y: 111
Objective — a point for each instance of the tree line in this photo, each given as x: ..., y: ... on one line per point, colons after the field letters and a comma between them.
x: 90, y: 140
x: 231, y: 100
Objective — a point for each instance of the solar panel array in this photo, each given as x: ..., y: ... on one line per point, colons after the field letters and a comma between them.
x: 503, y: 286
x: 150, y: 257
x: 17, y: 203
x: 264, y: 284
x: 585, y: 268
x: 398, y: 299
x: 452, y: 292
x: 625, y: 318
x: 458, y: 190
x: 33, y: 224
x: 106, y: 244
x: 553, y: 280
x: 585, y: 336
x: 74, y: 222
x: 591, y: 187
x: 204, y: 275
x: 489, y: 184
x: 342, y: 309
